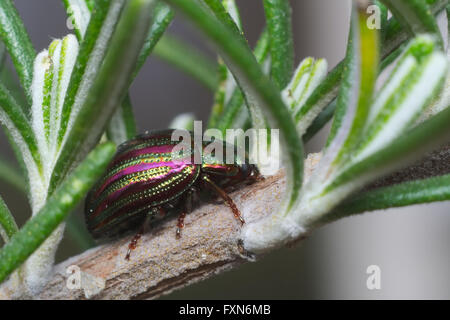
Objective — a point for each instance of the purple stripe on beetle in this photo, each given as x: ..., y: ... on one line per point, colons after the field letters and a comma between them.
x: 175, y: 166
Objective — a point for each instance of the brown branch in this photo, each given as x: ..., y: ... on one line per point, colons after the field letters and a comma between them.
x: 209, y: 245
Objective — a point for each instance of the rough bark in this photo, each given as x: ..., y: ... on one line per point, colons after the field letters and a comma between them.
x: 209, y: 244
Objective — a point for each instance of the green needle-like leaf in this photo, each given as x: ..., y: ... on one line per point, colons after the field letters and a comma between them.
x: 279, y: 25
x: 162, y: 17
x: 407, y: 148
x: 400, y: 195
x: 17, y: 41
x: 227, y: 84
x: 79, y: 12
x: 416, y: 80
x: 258, y: 118
x: 309, y: 74
x: 8, y: 226
x: 353, y: 106
x: 187, y: 59
x: 224, y: 16
x: 395, y: 33
x: 394, y: 36
x: 10, y: 175
x: 256, y: 86
x: 10, y: 81
x: 52, y: 72
x: 233, y: 10
x: 387, y: 141
x: 89, y: 60
x: 326, y: 92
x: 109, y: 87
x: 320, y: 121
x: 220, y: 95
x: 357, y: 87
x: 122, y: 126
x: 19, y: 128
x: 383, y: 18
x: 58, y: 206
x: 236, y: 114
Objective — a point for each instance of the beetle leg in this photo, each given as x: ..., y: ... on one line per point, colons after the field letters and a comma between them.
x: 187, y: 209
x: 144, y: 228
x: 133, y: 244
x: 221, y: 193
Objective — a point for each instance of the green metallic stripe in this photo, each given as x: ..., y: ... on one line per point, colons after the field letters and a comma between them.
x: 134, y: 177
x: 142, y: 176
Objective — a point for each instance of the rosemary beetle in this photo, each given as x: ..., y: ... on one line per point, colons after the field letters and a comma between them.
x: 144, y: 182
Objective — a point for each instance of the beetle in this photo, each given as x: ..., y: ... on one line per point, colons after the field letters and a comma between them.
x: 144, y: 182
